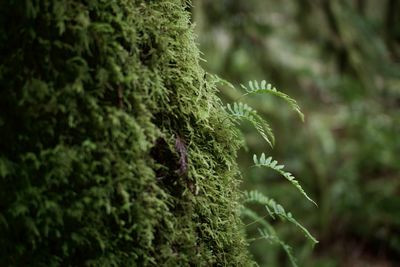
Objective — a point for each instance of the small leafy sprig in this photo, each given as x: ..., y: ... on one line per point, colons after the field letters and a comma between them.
x: 273, y: 208
x: 267, y: 88
x: 267, y: 232
x: 273, y: 164
x: 241, y: 111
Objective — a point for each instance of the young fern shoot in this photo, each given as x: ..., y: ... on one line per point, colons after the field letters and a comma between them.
x: 267, y: 232
x: 273, y: 208
x: 241, y: 111
x: 273, y: 164
x: 264, y: 88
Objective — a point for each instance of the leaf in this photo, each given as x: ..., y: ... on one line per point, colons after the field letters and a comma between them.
x: 277, y: 209
x: 274, y: 238
x: 268, y: 233
x: 241, y: 111
x: 264, y: 88
x: 272, y: 164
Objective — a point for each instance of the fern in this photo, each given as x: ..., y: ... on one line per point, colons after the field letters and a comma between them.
x: 274, y: 208
x: 238, y: 112
x: 242, y: 111
x: 273, y: 164
x: 268, y: 233
x: 264, y: 88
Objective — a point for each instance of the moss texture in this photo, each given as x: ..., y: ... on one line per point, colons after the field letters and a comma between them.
x: 114, y: 149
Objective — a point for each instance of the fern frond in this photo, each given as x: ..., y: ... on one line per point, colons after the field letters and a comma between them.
x: 241, y: 111
x: 264, y: 88
x: 268, y: 233
x: 274, y: 208
x: 256, y: 218
x: 273, y: 164
x: 274, y: 239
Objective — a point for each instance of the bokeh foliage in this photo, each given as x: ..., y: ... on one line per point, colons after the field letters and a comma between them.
x: 114, y: 148
x: 340, y: 61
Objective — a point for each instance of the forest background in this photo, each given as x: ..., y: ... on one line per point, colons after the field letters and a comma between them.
x: 340, y: 61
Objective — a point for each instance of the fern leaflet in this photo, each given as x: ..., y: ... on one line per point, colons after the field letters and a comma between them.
x: 241, y: 111
x: 268, y: 233
x: 273, y: 164
x: 264, y: 88
x: 274, y: 208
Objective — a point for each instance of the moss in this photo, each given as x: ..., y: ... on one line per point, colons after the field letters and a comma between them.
x: 114, y: 148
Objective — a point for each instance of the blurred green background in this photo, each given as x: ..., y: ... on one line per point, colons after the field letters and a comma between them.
x: 341, y: 61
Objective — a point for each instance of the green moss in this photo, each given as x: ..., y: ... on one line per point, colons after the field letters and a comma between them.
x: 114, y: 148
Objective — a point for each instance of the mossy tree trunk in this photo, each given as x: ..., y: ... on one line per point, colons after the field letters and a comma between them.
x: 114, y: 149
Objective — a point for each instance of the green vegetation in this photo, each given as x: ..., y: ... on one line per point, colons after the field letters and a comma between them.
x: 242, y: 112
x: 114, y: 148
x: 117, y: 147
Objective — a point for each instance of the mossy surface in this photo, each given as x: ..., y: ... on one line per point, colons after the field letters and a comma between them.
x: 114, y: 148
